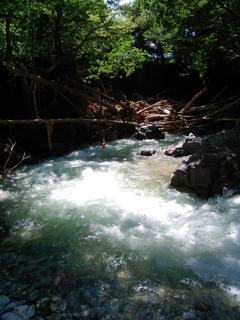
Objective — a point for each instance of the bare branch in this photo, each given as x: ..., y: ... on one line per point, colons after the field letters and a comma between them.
x: 5, y: 172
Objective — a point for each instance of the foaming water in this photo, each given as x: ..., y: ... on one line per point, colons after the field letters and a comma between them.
x: 109, y: 214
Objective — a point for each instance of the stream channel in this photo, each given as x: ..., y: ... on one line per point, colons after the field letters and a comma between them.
x: 134, y: 247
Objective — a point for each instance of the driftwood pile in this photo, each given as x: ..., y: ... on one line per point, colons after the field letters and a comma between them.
x: 174, y: 117
x: 105, y: 110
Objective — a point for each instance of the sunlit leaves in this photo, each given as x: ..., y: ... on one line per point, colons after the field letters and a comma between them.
x: 200, y: 33
x: 123, y: 58
x: 88, y: 34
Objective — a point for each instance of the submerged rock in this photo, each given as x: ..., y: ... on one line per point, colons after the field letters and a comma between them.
x: 146, y: 153
x: 214, y: 165
x: 148, y: 132
x: 4, y: 300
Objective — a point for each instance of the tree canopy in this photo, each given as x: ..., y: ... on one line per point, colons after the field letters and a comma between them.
x: 100, y: 37
x: 88, y: 34
x: 200, y: 34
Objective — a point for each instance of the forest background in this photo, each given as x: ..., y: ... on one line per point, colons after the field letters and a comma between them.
x: 126, y: 51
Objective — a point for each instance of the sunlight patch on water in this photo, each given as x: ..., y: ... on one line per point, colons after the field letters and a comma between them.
x: 4, y: 195
x: 234, y: 292
x: 92, y: 187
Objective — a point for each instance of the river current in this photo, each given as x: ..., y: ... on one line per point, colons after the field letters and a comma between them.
x: 109, y: 215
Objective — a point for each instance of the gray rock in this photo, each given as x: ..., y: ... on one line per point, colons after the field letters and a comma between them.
x: 44, y: 303
x: 53, y: 307
x: 4, y: 300
x: 31, y: 311
x: 74, y: 299
x: 213, y: 168
x: 30, y: 268
x: 77, y: 315
x: 190, y: 146
x: 10, y: 307
x: 56, y: 299
x: 22, y: 311
x: 22, y: 258
x: 34, y: 295
x: 21, y: 302
x: 63, y: 307
x: 11, y: 316
x: 59, y: 317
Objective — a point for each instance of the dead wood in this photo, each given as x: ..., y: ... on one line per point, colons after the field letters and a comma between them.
x: 5, y: 173
x: 104, y: 110
x: 229, y: 106
x: 190, y: 103
x: 58, y: 85
x: 76, y: 120
x: 113, y: 100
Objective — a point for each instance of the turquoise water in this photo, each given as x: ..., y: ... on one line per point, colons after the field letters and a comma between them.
x: 109, y: 215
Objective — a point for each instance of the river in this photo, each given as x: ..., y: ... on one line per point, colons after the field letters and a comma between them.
x: 142, y: 249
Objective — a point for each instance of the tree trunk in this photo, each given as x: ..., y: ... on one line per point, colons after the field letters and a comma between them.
x: 8, y: 37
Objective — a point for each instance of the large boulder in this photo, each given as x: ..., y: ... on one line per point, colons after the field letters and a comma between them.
x: 214, y: 165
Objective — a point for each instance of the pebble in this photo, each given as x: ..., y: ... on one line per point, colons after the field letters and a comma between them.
x: 34, y: 295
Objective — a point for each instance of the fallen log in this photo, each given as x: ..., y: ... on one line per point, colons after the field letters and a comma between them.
x: 161, y: 113
x: 190, y: 103
x: 229, y: 106
x: 212, y: 106
x: 76, y: 120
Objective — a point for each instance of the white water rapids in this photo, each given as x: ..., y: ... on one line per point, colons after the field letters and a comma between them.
x: 108, y: 214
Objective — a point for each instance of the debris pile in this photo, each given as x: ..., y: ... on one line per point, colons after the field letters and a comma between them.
x: 105, y: 110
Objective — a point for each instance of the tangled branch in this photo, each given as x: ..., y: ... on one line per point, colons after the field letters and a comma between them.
x: 5, y: 172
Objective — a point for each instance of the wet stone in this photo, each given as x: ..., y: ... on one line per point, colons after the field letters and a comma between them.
x: 34, y: 295
x: 4, y: 300
x: 63, y: 307
x: 22, y: 258
x: 21, y: 310
x: 53, y: 307
x: 10, y: 307
x: 31, y: 311
x: 44, y: 281
x: 21, y: 302
x: 77, y: 315
x: 44, y: 303
x: 11, y: 316
x: 56, y: 299
x: 6, y: 286
x: 74, y: 299
x: 30, y: 268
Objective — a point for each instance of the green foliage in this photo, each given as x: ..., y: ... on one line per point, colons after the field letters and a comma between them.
x: 103, y: 37
x: 87, y: 34
x: 200, y: 34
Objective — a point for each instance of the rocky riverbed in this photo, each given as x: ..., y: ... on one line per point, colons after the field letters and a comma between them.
x: 29, y: 291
